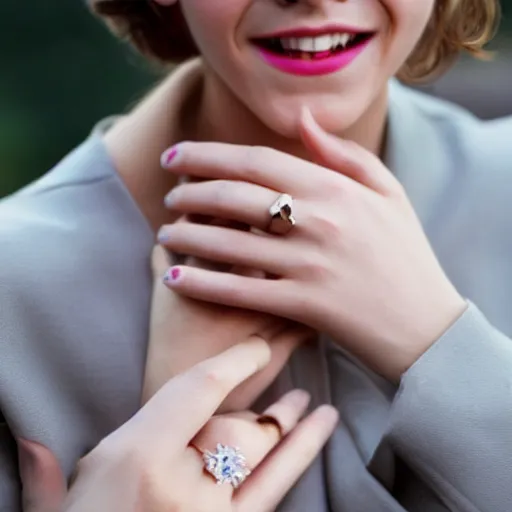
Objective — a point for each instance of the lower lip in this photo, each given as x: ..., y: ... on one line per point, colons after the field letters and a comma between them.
x: 314, y: 67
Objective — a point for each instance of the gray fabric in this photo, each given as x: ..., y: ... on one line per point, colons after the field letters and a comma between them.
x: 74, y: 298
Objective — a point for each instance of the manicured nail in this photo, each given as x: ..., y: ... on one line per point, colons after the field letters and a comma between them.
x: 168, y: 157
x: 163, y: 236
x: 169, y: 200
x: 172, y: 275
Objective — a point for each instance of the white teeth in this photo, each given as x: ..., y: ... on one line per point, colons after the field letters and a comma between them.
x: 323, y: 43
x: 344, y: 39
x: 316, y: 44
x: 306, y: 44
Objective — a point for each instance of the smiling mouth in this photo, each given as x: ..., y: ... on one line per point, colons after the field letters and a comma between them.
x: 314, y: 48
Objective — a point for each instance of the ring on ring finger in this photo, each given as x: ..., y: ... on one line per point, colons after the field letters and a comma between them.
x: 233, y: 445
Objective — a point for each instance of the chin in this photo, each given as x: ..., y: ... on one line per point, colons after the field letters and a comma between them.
x: 332, y: 114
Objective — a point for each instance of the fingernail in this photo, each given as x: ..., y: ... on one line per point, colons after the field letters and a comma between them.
x: 163, y: 236
x: 168, y: 157
x: 172, y: 275
x: 298, y: 397
x: 169, y: 200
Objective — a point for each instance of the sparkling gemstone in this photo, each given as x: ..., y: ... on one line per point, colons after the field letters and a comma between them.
x: 227, y: 465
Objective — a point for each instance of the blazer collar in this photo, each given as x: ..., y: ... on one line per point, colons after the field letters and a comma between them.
x: 416, y: 151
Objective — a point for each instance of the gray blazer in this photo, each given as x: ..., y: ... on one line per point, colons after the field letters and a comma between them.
x: 74, y: 298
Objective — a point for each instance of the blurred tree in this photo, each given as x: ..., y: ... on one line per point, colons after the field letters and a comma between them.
x: 62, y: 72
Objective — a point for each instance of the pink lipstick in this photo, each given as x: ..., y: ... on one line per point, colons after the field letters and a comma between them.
x: 313, y: 52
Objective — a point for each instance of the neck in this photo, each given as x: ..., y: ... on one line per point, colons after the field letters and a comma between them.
x: 194, y: 105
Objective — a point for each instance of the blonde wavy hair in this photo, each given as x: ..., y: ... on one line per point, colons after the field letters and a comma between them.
x: 457, y: 26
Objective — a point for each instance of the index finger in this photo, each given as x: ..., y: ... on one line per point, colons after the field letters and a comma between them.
x: 254, y: 164
x: 184, y: 405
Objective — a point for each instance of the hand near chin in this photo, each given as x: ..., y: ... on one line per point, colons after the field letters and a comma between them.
x: 184, y: 332
x: 357, y: 264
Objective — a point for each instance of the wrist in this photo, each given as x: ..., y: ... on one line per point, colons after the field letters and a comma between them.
x: 431, y: 327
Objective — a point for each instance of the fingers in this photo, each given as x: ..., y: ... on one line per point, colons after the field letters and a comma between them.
x: 44, y: 485
x: 259, y: 165
x: 282, y: 347
x: 275, y: 476
x: 272, y: 296
x: 227, y: 246
x: 242, y: 430
x: 234, y: 200
x: 285, y: 412
x: 345, y: 156
x: 189, y: 400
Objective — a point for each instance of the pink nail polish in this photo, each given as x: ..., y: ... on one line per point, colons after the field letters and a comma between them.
x: 173, y: 274
x: 169, y: 156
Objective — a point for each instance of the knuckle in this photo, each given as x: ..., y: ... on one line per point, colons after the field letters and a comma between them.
x: 326, y: 227
x: 213, y: 378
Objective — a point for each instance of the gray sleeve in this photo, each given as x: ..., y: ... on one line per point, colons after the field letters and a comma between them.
x: 10, y: 487
x: 452, y: 418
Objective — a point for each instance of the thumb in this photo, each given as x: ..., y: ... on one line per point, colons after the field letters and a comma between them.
x: 44, y: 485
x: 343, y: 156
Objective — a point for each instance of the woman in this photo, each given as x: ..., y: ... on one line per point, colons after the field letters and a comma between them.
x: 405, y: 272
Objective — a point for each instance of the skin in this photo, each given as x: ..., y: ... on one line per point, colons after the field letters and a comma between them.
x: 126, y: 472
x: 342, y: 266
x: 199, y: 330
x: 245, y: 102
x: 265, y: 110
x: 266, y: 102
x: 353, y: 211
x: 358, y: 251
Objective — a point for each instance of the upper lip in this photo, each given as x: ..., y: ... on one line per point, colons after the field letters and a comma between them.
x: 314, y: 31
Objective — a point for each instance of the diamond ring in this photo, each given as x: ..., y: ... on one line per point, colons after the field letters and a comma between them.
x: 226, y: 465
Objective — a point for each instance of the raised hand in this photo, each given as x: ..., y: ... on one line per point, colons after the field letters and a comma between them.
x: 357, y: 264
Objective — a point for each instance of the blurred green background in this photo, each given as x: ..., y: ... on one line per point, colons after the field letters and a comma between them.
x: 62, y: 71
